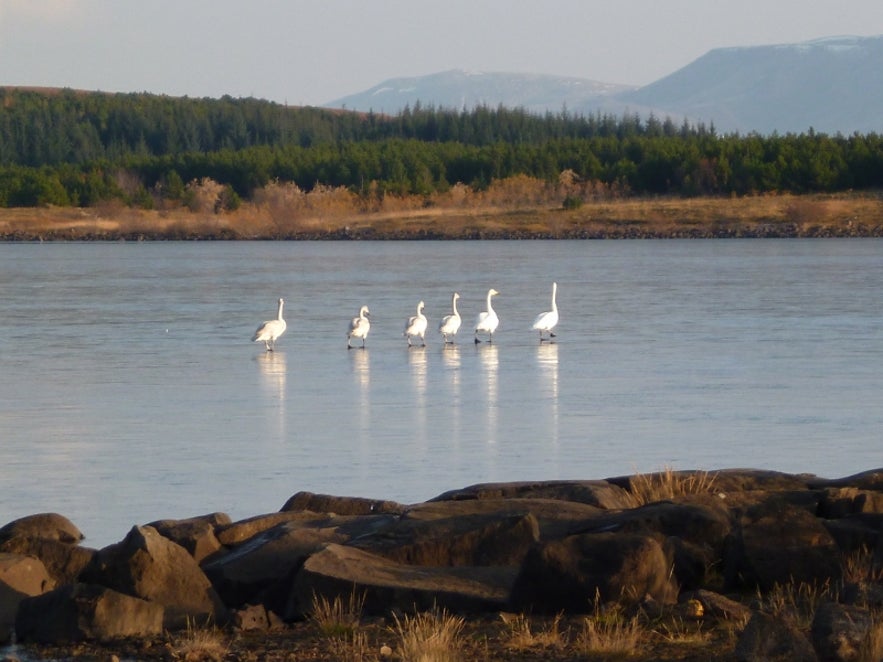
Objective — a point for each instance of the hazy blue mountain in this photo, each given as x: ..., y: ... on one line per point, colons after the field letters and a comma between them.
x: 830, y: 85
x: 464, y: 89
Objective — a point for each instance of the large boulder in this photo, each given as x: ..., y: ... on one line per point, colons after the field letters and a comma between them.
x: 770, y: 639
x: 568, y: 574
x: 195, y: 534
x: 48, y: 526
x: 838, y: 631
x: 240, y: 531
x: 80, y: 612
x: 556, y: 519
x: 467, y: 540
x: 148, y: 566
x: 20, y: 577
x: 340, y: 571
x: 598, y: 493
x: 778, y: 543
x: 64, y: 562
x: 258, y: 570
x: 326, y: 503
x: 840, y: 502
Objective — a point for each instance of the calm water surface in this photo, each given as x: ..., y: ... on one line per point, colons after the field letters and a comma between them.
x: 129, y: 390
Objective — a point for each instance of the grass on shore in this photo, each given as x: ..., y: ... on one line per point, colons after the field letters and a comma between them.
x: 768, y: 215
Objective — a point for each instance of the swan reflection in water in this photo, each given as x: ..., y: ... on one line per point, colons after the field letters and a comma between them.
x: 417, y: 363
x: 361, y: 367
x: 490, y: 363
x: 273, y: 370
x: 547, y: 363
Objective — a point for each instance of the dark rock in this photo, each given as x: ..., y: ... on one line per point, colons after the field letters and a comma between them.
x: 857, y: 532
x: 728, y: 480
x: 768, y: 639
x: 20, y: 577
x: 566, y: 575
x: 778, y: 543
x: 195, y: 534
x: 238, y: 532
x: 148, y: 566
x: 838, y: 631
x: 325, y: 503
x: 64, y: 562
x: 840, y: 502
x: 251, y: 617
x: 341, y: 571
x: 48, y: 526
x: 556, y: 519
x: 598, y: 493
x: 467, y: 540
x: 79, y: 612
x: 866, y: 480
x: 719, y: 606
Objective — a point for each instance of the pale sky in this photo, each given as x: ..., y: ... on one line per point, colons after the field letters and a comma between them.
x: 314, y: 51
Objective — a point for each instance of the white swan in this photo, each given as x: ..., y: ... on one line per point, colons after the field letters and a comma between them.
x: 450, y: 324
x: 416, y: 325
x: 359, y: 327
x: 487, y: 321
x: 270, y: 330
x: 545, y: 322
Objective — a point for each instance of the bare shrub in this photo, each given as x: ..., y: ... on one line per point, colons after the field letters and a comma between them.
x: 862, y: 566
x: 871, y: 649
x: 204, y: 195
x: 797, y: 602
x: 519, y: 191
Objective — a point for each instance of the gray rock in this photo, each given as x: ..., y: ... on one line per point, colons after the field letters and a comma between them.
x: 64, y: 562
x: 768, y: 639
x: 326, y: 503
x: 242, y: 530
x: 838, y: 631
x: 195, y: 534
x: 48, y: 526
x: 80, y: 612
x: 148, y: 566
x: 566, y: 575
x: 340, y: 571
x: 20, y: 577
x: 598, y: 493
x: 778, y: 543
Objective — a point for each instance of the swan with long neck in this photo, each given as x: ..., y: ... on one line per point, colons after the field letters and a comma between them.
x: 415, y: 327
x: 450, y: 324
x: 546, y: 322
x: 359, y: 327
x: 270, y: 330
x: 487, y: 321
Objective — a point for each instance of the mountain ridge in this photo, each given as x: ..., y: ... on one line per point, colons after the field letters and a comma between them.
x: 830, y: 84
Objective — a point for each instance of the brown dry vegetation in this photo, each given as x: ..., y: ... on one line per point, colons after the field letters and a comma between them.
x: 520, y: 207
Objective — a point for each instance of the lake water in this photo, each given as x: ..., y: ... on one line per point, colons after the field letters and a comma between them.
x: 130, y: 390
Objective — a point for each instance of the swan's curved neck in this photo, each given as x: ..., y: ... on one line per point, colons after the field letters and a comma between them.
x: 490, y: 307
x: 279, y: 314
x: 454, y: 305
x: 554, y: 293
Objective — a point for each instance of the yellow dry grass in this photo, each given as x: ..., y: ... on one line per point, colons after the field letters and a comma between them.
x: 499, y: 212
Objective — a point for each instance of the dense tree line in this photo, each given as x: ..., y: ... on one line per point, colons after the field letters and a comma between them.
x: 72, y: 148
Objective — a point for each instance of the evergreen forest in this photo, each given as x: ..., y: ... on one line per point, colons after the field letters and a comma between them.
x: 70, y: 148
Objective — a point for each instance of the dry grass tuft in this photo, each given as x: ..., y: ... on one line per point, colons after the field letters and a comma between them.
x: 797, y: 602
x: 520, y: 635
x: 200, y: 643
x: 432, y: 636
x: 862, y: 566
x: 871, y: 649
x: 338, y: 617
x: 668, y: 484
x: 610, y: 632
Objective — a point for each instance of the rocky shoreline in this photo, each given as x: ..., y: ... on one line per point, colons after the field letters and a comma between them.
x: 711, y: 548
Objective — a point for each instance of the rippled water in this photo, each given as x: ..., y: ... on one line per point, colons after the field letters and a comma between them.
x: 129, y: 390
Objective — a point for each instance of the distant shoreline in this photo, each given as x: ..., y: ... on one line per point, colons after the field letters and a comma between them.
x: 777, y: 216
